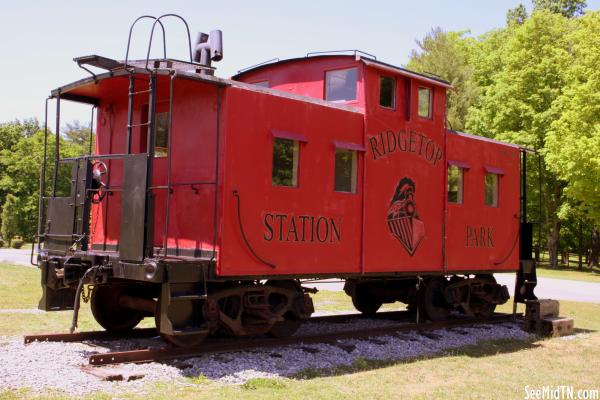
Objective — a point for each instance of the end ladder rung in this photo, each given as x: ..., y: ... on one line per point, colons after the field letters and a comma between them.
x: 189, y: 297
x: 140, y: 92
x: 137, y: 125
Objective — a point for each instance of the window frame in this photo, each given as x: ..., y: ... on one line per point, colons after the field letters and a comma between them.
x: 430, y: 111
x: 325, y: 86
x: 461, y: 192
x: 394, y: 87
x: 353, y: 171
x: 496, y: 202
x: 155, y: 133
x: 297, y: 140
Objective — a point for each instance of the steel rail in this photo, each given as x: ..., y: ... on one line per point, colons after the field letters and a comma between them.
x: 149, y: 332
x: 232, y: 345
x: 91, y: 335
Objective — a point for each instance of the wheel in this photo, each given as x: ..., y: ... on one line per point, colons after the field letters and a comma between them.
x: 185, y: 340
x: 486, y: 309
x: 285, y: 328
x: 433, y: 301
x: 365, y: 302
x: 107, y: 311
x: 290, y: 325
x: 189, y: 340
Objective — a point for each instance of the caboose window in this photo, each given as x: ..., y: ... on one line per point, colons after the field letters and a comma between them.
x: 455, y: 184
x: 424, y: 102
x: 340, y: 85
x: 387, y: 92
x: 161, y: 134
x: 345, y: 170
x: 285, y: 162
x: 491, y: 190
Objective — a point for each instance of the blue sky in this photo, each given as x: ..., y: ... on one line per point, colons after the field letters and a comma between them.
x: 38, y: 39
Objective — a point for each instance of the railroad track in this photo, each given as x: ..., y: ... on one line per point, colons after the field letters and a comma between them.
x: 151, y: 332
x: 217, y: 345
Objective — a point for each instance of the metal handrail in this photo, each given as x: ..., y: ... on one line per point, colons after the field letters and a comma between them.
x: 94, y: 157
x: 354, y: 51
x: 131, y: 30
x: 152, y: 35
x: 56, y: 145
x: 169, y: 150
x: 43, y: 174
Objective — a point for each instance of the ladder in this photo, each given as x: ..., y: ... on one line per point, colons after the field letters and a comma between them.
x: 148, y: 219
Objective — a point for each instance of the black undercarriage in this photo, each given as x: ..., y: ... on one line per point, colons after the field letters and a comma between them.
x: 189, y: 302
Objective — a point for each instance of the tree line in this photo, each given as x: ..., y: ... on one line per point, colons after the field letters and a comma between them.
x: 534, y: 82
x: 21, y: 157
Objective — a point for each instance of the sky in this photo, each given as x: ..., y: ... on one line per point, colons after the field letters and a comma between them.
x: 39, y: 38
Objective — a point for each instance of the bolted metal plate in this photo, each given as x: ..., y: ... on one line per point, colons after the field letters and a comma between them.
x: 59, y: 224
x: 133, y: 208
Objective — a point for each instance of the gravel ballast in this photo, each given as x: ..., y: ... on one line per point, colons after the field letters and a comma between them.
x: 41, y: 367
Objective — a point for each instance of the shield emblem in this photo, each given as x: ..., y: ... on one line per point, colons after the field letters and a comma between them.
x: 402, y: 218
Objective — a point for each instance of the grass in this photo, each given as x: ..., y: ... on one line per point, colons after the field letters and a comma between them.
x: 495, y: 369
x: 326, y: 300
x: 20, y: 289
x: 25, y: 246
x: 570, y: 273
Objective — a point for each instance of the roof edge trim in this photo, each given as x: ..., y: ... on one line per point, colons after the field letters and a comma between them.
x: 405, y: 72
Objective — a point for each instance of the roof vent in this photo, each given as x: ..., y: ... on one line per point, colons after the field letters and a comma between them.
x: 208, y: 48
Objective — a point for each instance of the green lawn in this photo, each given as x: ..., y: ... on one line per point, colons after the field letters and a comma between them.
x: 498, y: 369
x: 569, y: 270
x: 571, y: 273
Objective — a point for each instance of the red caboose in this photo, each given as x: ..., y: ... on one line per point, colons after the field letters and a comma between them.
x: 207, y: 200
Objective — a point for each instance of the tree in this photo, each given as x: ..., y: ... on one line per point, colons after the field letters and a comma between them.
x: 573, y: 145
x: 446, y: 54
x: 21, y: 166
x: 573, y: 141
x: 79, y: 135
x: 10, y: 218
x: 526, y: 67
x: 567, y: 8
x: 10, y: 134
x: 516, y: 15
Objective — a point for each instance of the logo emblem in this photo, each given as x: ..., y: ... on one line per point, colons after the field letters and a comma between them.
x: 402, y: 218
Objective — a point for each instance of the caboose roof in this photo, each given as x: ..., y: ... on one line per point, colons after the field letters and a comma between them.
x: 371, y: 62
x: 89, y: 90
x: 486, y: 139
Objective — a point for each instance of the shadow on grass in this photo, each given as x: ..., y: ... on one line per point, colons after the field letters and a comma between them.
x: 482, y: 349
x: 577, y: 331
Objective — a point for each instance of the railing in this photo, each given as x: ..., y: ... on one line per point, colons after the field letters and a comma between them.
x: 152, y: 91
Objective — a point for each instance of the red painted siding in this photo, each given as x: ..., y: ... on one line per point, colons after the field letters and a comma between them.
x: 397, y: 221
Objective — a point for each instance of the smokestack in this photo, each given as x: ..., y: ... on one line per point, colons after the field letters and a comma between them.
x: 208, y: 48
x: 216, y: 45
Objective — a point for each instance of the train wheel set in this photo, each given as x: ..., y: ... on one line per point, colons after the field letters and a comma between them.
x: 278, y: 307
